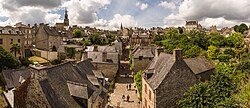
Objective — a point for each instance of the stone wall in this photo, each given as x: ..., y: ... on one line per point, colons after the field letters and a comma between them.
x: 172, y: 88
x: 109, y: 70
x: 148, y: 99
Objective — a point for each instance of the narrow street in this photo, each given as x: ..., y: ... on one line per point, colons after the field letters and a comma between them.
x: 121, y: 88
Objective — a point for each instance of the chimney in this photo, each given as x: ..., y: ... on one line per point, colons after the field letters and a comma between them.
x: 158, y: 51
x: 177, y: 54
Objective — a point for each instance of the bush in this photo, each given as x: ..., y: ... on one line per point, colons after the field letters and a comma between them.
x: 56, y: 62
x: 138, y: 80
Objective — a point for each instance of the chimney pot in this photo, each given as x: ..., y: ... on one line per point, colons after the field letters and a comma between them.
x: 177, y: 54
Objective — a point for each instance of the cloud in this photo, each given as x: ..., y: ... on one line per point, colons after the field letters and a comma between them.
x: 84, y: 11
x: 142, y: 6
x: 14, y: 4
x: 225, y: 12
x: 167, y: 5
x: 115, y: 22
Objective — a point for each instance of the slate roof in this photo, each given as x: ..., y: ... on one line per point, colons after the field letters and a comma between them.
x: 13, y: 78
x: 78, y: 90
x: 61, y: 86
x: 161, y: 66
x: 51, y: 31
x: 86, y: 70
x: 148, y: 52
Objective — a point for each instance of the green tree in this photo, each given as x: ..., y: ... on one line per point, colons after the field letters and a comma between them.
x: 212, y: 52
x: 241, y: 28
x: 71, y: 52
x: 77, y: 33
x: 7, y: 60
x: 215, y: 93
x: 236, y: 39
x: 138, y: 81
x: 16, y: 49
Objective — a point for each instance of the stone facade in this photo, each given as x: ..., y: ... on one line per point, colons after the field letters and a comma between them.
x: 192, y: 26
x: 168, y: 76
x: 47, y: 37
x: 9, y: 36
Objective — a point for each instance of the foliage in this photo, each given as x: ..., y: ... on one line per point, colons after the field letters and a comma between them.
x: 7, y: 60
x: 224, y: 57
x: 212, y: 52
x: 241, y: 28
x: 70, y: 52
x: 15, y: 48
x: 243, y: 96
x: 86, y: 42
x: 138, y: 81
x: 236, y: 39
x: 214, y: 93
x: 56, y: 62
x: 77, y: 33
x: 26, y: 62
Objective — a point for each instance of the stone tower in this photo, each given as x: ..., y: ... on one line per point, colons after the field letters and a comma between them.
x: 66, y: 19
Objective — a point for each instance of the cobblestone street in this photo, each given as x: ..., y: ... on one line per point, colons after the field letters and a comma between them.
x: 121, y: 88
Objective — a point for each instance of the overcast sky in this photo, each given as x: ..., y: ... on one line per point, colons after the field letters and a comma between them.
x: 109, y: 14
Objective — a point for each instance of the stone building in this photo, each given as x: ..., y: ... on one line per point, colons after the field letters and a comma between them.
x: 65, y: 25
x: 169, y: 76
x: 11, y: 35
x: 143, y: 55
x: 29, y: 37
x: 105, y: 59
x: 64, y: 86
x: 47, y: 37
x: 227, y: 31
x: 192, y: 26
x: 140, y: 38
x: 213, y: 29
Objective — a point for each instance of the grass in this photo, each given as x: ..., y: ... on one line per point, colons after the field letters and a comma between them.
x: 3, y: 102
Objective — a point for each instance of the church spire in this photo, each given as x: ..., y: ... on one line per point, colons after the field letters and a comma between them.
x: 66, y: 19
x: 121, y: 27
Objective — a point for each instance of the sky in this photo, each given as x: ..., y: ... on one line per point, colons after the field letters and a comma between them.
x: 109, y: 14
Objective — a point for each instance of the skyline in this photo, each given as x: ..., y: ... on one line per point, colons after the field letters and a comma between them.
x: 109, y: 14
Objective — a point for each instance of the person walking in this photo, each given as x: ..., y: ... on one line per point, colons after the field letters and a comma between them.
x: 128, y: 98
x: 129, y: 86
x: 123, y: 97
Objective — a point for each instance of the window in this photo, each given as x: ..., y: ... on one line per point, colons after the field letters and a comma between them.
x: 145, y: 102
x: 140, y: 57
x: 150, y: 58
x: 18, y: 40
x: 146, y: 89
x: 11, y: 41
x: 149, y: 94
x: 1, y: 41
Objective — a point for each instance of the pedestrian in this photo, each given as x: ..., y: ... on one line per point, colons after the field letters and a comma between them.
x: 129, y: 86
x: 123, y: 97
x: 128, y: 98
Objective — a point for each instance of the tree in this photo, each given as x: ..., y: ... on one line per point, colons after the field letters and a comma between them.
x: 241, y: 28
x: 236, y: 39
x: 7, y: 60
x: 215, y: 93
x: 15, y: 48
x: 71, y: 52
x: 77, y: 33
x: 138, y: 81
x: 212, y: 52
